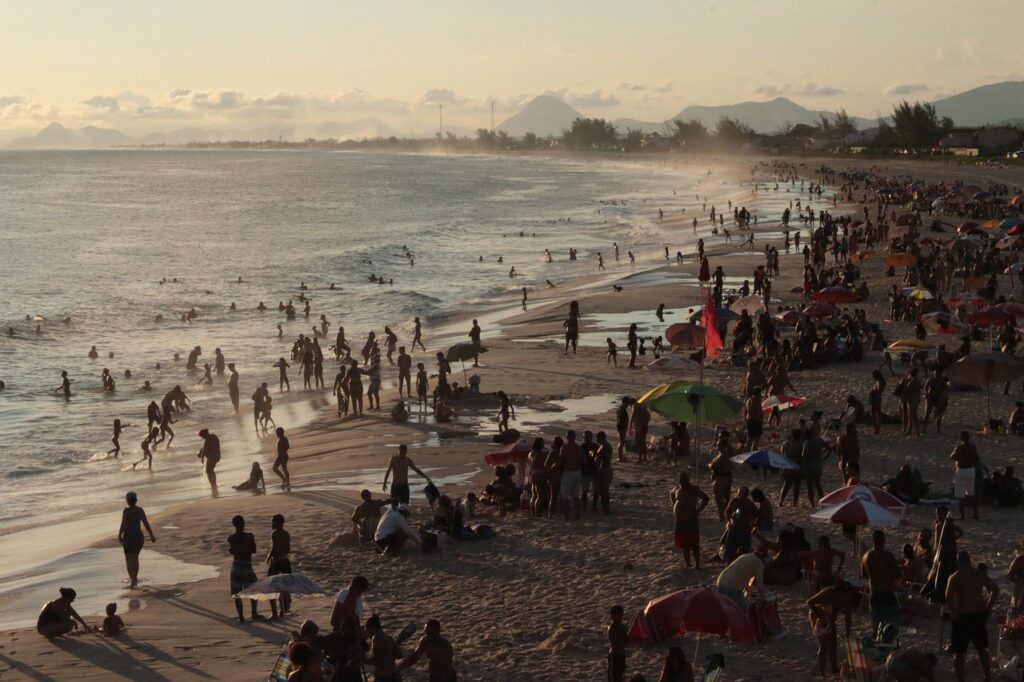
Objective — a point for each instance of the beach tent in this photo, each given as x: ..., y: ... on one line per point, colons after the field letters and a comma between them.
x: 985, y: 369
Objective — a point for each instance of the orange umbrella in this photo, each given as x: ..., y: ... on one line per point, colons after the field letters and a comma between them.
x: 901, y: 259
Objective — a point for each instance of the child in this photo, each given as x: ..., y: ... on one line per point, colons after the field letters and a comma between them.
x: 613, y: 351
x: 118, y: 426
x: 422, y: 384
x: 112, y: 624
x: 617, y: 638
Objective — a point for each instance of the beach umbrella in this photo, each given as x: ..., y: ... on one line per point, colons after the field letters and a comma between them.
x: 685, y: 335
x: 724, y: 315
x: 672, y: 362
x: 1016, y: 230
x: 781, y: 401
x: 967, y: 227
x: 700, y: 610
x: 968, y: 243
x: 752, y: 304
x: 790, y: 317
x: 513, y: 453
x: 1012, y: 241
x: 988, y: 317
x: 819, y: 310
x: 917, y: 293
x: 764, y: 459
x: 901, y: 259
x: 1016, y: 222
x: 1017, y: 200
x: 909, y: 345
x: 967, y: 298
x: 835, y: 295
x: 1012, y: 307
x: 856, y: 511
x: 942, y: 322
x: 271, y: 587
x: 990, y: 224
x: 985, y: 369
x: 683, y: 401
x: 462, y: 351
x: 872, y: 493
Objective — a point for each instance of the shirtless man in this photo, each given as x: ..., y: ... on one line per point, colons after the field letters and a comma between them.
x: 65, y: 385
x: 278, y: 561
x: 911, y: 665
x: 688, y: 501
x: 404, y: 372
x: 823, y: 613
x: 965, y: 598
x: 572, y: 475
x: 383, y: 652
x: 474, y: 337
x: 368, y: 509
x: 882, y: 570
x: 821, y: 559
x: 618, y: 637
x: 233, y: 386
x: 400, y: 465
x: 754, y: 416
x: 640, y: 420
x: 210, y: 454
x: 438, y: 650
x: 281, y: 462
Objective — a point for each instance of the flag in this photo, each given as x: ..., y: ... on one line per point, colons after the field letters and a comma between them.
x: 712, y: 339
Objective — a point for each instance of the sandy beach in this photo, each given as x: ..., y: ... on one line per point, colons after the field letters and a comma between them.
x: 532, y: 603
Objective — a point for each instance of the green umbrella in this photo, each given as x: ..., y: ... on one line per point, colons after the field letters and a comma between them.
x: 683, y: 401
x: 462, y: 351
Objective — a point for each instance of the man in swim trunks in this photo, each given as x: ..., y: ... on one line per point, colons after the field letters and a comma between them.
x: 882, y: 570
x: 438, y: 650
x: 210, y: 454
x: 572, y: 475
x: 965, y: 598
x: 281, y: 463
x: 687, y: 503
x: 400, y: 465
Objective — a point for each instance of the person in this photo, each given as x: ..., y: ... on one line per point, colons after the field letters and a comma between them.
x: 678, y: 443
x: 570, y: 486
x: 282, y: 366
x: 969, y: 609
x: 241, y: 546
x: 281, y: 462
x: 112, y: 624
x: 58, y: 617
x: 821, y: 561
x: 965, y: 462
x: 622, y: 426
x: 474, y: 337
x: 116, y: 438
x: 1015, y: 573
x: 676, y: 668
x: 603, y: 472
x: 506, y: 410
x: 366, y: 515
x: 210, y: 454
x: 400, y: 465
x: 348, y: 604
x: 812, y: 455
x: 383, y: 651
x: 617, y: 639
x: 307, y: 664
x: 404, y: 372
x: 745, y: 572
x: 882, y: 571
x: 147, y: 454
x: 439, y: 653
x: 278, y: 561
x: 393, y: 529
x: 255, y: 483
x: 911, y: 665
x: 130, y: 535
x: 688, y: 501
x: 233, y: 386
x: 823, y: 612
x: 640, y: 421
x: 65, y: 384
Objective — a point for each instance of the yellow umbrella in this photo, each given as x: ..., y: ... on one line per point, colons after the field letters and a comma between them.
x: 920, y: 293
x: 909, y: 345
x: 901, y: 259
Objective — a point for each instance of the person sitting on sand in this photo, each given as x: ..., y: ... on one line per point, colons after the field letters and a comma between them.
x: 366, y: 515
x: 58, y: 616
x: 745, y: 573
x: 393, y: 529
x: 910, y: 665
x: 255, y: 483
x: 112, y: 624
x: 399, y: 413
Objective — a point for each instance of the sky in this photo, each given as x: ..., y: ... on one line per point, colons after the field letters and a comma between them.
x: 158, y: 65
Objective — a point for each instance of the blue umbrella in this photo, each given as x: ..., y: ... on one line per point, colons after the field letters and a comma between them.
x: 764, y: 459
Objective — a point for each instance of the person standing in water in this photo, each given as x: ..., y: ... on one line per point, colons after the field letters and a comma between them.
x: 283, y: 366
x: 218, y: 362
x: 65, y: 385
x: 233, y: 386
x: 130, y: 535
x: 417, y: 335
x: 355, y: 387
x: 152, y: 415
x: 210, y: 454
x: 474, y: 337
x: 144, y: 446
x: 281, y: 463
x: 404, y: 372
x: 116, y: 438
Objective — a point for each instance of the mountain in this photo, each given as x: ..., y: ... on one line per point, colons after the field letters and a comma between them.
x: 762, y: 117
x: 989, y: 104
x: 624, y: 124
x: 544, y: 115
x: 364, y: 128
x: 56, y: 136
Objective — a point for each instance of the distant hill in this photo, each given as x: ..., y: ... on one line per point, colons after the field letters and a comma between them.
x: 762, y: 117
x: 56, y: 136
x: 544, y: 115
x: 989, y: 104
x: 364, y: 128
x: 624, y: 124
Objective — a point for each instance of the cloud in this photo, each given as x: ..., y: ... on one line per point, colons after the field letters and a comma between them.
x: 807, y: 89
x: 644, y: 87
x: 227, y: 99
x: 179, y: 93
x: 770, y: 90
x: 906, y: 88
x: 441, y: 96
x: 594, y: 99
x: 11, y: 100
x: 102, y: 102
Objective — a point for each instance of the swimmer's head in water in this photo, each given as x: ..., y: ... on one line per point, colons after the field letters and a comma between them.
x: 131, y: 498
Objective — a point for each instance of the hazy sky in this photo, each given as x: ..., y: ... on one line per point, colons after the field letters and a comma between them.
x: 144, y: 65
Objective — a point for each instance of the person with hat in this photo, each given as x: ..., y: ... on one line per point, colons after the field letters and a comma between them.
x: 393, y: 529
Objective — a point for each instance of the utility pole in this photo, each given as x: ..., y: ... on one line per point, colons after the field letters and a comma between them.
x: 492, y: 117
x: 440, y: 122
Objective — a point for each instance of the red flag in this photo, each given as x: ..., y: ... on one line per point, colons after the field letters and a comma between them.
x: 712, y: 339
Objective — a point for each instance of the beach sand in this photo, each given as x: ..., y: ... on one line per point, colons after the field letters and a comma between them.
x: 531, y: 603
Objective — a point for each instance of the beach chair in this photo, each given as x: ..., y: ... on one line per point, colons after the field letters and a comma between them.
x: 1012, y: 630
x: 862, y: 669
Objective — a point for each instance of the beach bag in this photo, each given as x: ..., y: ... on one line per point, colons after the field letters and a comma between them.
x: 282, y: 667
x: 432, y: 493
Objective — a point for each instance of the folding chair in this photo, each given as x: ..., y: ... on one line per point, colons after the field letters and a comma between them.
x: 862, y: 669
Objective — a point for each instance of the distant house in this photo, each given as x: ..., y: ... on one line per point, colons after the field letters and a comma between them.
x: 861, y: 138
x: 957, y: 140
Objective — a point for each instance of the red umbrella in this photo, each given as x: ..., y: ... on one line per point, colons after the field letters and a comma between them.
x: 783, y: 402
x: 858, y: 511
x: 1015, y: 230
x: 835, y: 295
x: 685, y: 335
x: 698, y: 609
x: 513, y: 453
x: 864, y: 491
x: 989, y: 317
x: 790, y: 317
x: 968, y: 298
x: 819, y: 310
x: 1012, y: 307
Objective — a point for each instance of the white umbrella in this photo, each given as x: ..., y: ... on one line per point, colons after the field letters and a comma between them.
x: 672, y: 362
x: 271, y: 587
